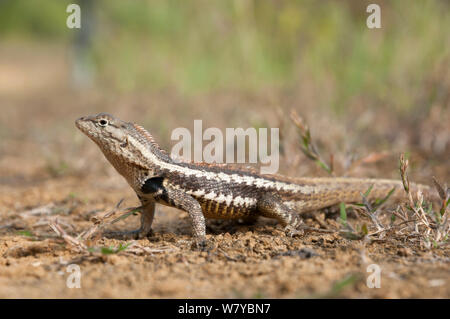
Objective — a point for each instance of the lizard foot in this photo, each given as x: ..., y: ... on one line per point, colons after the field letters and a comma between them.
x: 202, y: 245
x: 291, y: 231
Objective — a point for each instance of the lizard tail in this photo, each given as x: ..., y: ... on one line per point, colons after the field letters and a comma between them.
x: 331, y: 191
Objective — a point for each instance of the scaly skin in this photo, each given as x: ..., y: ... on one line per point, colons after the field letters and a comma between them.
x: 215, y: 191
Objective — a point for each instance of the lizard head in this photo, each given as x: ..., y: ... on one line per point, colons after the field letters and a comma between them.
x: 107, y: 131
x: 119, y: 139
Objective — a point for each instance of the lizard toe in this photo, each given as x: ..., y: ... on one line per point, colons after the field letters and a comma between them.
x: 203, y: 245
x: 293, y: 232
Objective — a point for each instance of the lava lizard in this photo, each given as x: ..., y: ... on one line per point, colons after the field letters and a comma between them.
x: 215, y: 191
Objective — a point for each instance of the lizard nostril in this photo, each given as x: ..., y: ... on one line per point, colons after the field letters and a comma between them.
x: 79, y: 120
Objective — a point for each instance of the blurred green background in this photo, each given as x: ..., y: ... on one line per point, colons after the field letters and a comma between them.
x: 251, y: 45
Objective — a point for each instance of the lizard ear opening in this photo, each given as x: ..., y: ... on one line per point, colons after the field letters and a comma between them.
x: 124, y: 143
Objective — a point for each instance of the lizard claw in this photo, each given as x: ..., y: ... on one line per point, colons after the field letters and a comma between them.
x: 202, y: 245
x: 291, y: 231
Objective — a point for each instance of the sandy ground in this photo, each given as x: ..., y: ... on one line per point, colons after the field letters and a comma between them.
x: 254, y: 261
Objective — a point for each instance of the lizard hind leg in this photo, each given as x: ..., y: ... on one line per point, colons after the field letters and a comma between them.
x: 272, y: 206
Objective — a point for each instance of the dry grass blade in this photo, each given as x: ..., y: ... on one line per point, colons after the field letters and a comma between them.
x: 432, y: 228
x: 39, y: 211
x: 308, y: 147
x: 403, y: 167
x: 443, y: 194
x: 102, y: 220
x: 97, y: 219
x: 135, y: 248
x: 74, y: 243
x: 418, y: 223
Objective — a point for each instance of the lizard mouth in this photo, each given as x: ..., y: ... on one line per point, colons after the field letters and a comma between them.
x: 81, y: 124
x: 78, y: 122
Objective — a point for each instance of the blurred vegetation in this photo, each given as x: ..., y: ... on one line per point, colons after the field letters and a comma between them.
x: 207, y: 45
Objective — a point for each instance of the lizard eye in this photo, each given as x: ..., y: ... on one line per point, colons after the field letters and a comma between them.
x: 103, y: 122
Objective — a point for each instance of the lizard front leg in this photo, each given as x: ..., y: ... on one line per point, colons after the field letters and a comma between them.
x: 189, y: 204
x: 165, y: 194
x: 147, y: 214
x: 272, y: 206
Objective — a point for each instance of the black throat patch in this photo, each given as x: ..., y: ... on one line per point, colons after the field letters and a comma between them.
x: 153, y: 185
